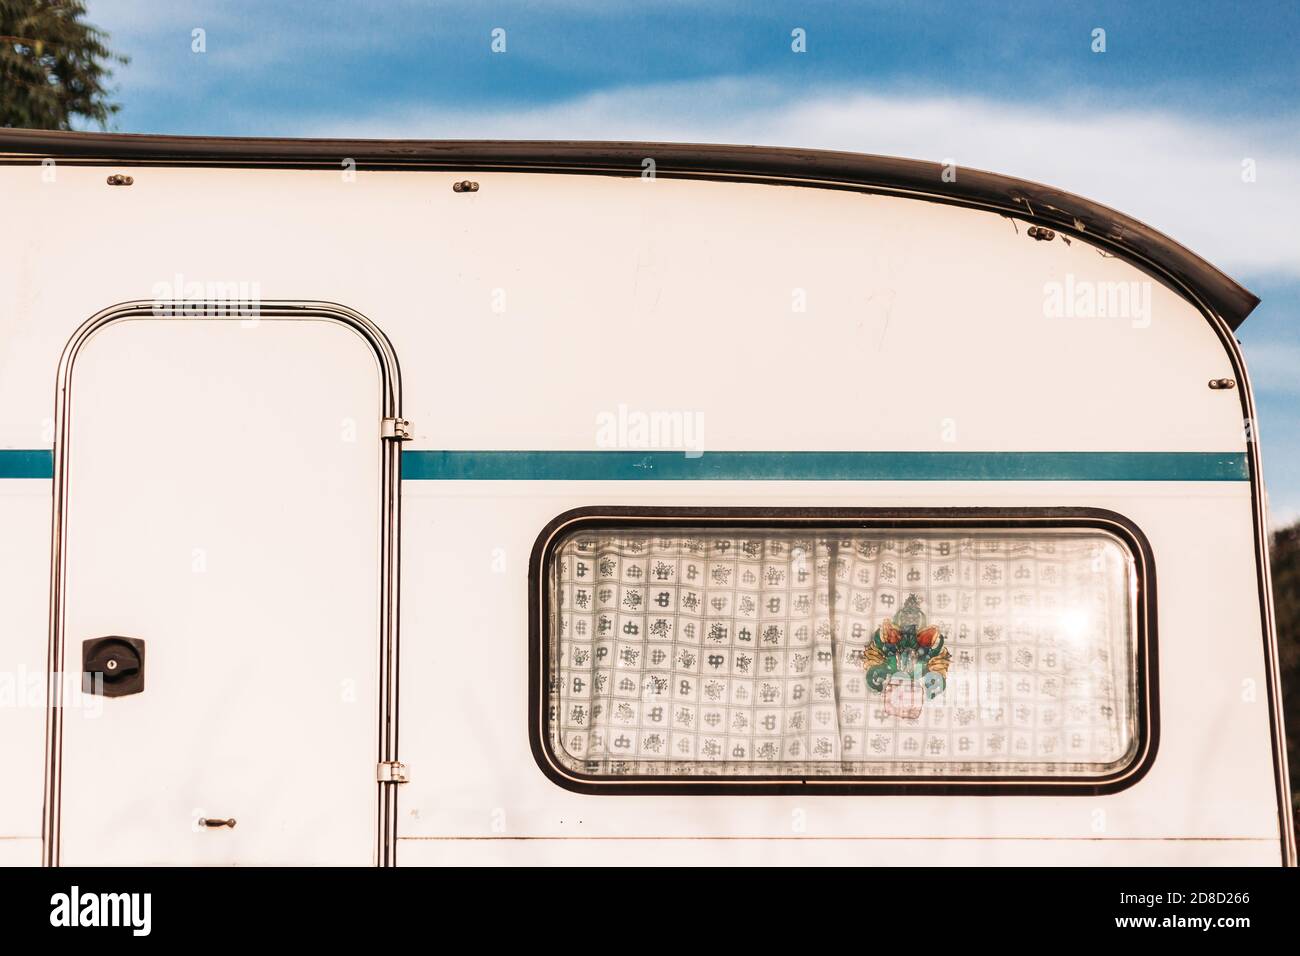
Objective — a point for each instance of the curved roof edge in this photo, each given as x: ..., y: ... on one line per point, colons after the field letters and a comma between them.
x: 1063, y: 211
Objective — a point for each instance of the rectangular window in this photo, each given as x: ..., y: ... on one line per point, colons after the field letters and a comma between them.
x: 934, y: 651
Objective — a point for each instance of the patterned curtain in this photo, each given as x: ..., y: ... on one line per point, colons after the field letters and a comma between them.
x: 814, y: 653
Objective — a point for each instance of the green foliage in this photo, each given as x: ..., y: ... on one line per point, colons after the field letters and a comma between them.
x: 1286, y: 600
x: 53, y: 65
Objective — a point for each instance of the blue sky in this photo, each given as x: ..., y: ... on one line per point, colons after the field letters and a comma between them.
x: 1158, y: 125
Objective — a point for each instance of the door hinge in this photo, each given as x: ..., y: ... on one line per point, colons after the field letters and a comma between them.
x: 390, y: 771
x: 395, y: 429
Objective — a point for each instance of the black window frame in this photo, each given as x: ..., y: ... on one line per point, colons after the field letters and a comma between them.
x: 867, y: 519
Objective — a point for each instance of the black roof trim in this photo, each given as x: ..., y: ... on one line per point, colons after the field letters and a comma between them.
x: 1030, y: 201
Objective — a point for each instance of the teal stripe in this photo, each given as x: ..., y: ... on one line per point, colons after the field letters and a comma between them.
x: 777, y: 466
x: 823, y: 466
x: 26, y: 463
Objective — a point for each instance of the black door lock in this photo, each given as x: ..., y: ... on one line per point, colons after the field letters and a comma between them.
x: 112, y: 666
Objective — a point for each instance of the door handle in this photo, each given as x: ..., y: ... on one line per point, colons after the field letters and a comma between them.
x: 213, y: 823
x: 112, y: 666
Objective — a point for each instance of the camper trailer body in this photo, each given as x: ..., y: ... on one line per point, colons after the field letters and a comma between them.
x: 313, y: 443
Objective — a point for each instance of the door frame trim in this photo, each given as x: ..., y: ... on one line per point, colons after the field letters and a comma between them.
x: 390, y: 535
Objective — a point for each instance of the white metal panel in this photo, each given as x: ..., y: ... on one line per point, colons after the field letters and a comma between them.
x: 20, y: 851
x: 917, y: 313
x: 475, y: 778
x: 811, y: 851
x: 224, y: 507
x: 24, y: 604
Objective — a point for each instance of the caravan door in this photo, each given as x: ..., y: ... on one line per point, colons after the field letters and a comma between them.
x: 223, y: 572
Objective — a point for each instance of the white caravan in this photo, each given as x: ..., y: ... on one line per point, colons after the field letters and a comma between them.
x: 719, y: 504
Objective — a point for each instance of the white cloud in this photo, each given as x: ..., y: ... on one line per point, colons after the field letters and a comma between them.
x: 1180, y: 174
